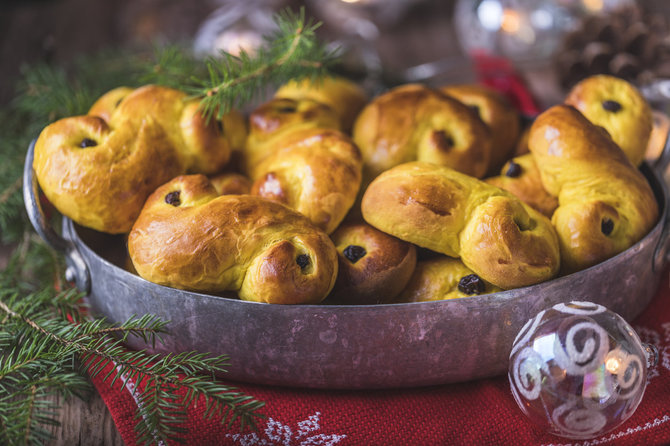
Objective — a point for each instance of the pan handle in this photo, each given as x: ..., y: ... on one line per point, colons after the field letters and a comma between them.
x: 77, y: 270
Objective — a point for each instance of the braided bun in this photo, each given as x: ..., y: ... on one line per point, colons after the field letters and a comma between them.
x: 443, y: 278
x: 496, y: 112
x: 605, y: 203
x: 187, y: 236
x: 521, y: 177
x: 618, y: 107
x: 413, y: 122
x: 314, y: 171
x: 500, y: 238
x: 374, y: 267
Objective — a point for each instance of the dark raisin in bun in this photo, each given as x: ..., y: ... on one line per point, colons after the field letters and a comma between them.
x: 374, y: 267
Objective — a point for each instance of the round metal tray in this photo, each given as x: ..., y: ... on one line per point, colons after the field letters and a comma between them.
x: 345, y: 346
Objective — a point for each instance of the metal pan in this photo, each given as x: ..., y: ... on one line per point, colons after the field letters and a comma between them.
x: 344, y: 346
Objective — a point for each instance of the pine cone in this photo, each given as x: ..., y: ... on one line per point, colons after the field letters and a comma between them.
x: 628, y: 43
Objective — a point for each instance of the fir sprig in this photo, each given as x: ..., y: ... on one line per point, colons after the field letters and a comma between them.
x: 39, y: 356
x: 291, y: 52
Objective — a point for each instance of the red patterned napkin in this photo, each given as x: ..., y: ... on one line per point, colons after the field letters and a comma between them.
x: 477, y: 413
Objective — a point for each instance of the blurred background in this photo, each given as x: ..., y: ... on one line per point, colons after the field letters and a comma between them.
x: 549, y: 43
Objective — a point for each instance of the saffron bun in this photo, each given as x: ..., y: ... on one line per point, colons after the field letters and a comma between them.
x: 98, y: 169
x: 496, y: 112
x: 272, y: 120
x: 231, y: 183
x: 416, y: 123
x: 605, y: 204
x: 190, y: 237
x: 443, y: 278
x: 99, y: 174
x: 521, y: 177
x: 501, y: 239
x: 618, y: 106
x: 342, y: 95
x: 315, y: 171
x: 374, y: 267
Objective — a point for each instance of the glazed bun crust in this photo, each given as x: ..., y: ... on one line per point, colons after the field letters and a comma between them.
x: 98, y: 175
x: 106, y: 104
x: 413, y: 122
x: 521, y: 177
x: 274, y: 119
x: 314, y: 171
x: 618, y: 107
x: 504, y: 241
x: 496, y: 112
x: 605, y: 203
x: 374, y: 267
x: 200, y: 144
x: 231, y: 183
x: 345, y: 97
x: 438, y: 279
x: 189, y: 237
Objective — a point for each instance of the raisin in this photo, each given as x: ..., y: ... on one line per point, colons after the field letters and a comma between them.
x: 88, y: 142
x: 442, y: 140
x: 612, y: 106
x: 607, y: 226
x: 219, y: 126
x: 513, y: 170
x: 354, y: 253
x: 173, y: 198
x: 475, y: 109
x: 471, y: 284
x: 286, y: 109
x: 302, y: 260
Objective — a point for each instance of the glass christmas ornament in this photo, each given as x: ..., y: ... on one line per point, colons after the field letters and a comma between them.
x: 579, y: 370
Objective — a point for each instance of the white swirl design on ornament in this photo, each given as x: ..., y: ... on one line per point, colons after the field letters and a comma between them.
x: 527, y: 373
x: 526, y: 332
x: 578, y: 422
x: 579, y: 308
x: 631, y: 378
x: 593, y: 351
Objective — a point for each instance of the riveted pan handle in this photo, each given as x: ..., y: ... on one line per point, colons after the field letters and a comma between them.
x: 77, y: 270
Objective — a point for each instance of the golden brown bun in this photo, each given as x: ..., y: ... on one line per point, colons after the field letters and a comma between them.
x: 203, y: 147
x: 98, y: 174
x: 272, y: 120
x: 496, y: 112
x: 374, y: 267
x: 605, y: 203
x: 99, y: 171
x: 618, y: 107
x: 443, y: 278
x: 500, y: 238
x: 413, y: 122
x: 314, y: 171
x: 231, y: 183
x: 107, y: 103
x: 521, y: 177
x: 345, y: 97
x: 189, y: 237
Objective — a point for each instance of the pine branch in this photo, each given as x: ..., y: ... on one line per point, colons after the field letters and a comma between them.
x: 292, y: 52
x: 40, y: 343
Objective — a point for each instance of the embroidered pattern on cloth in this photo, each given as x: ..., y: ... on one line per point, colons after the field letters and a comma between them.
x: 277, y: 433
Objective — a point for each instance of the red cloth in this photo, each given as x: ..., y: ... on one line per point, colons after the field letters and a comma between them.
x: 477, y: 413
